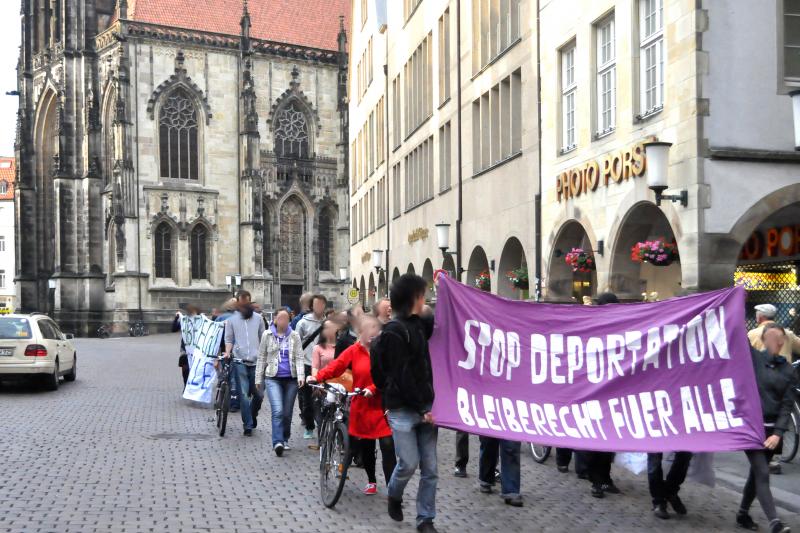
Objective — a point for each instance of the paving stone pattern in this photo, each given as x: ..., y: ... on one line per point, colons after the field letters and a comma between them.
x: 119, y: 451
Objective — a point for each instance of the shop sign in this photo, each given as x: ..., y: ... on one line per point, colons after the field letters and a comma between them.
x: 419, y: 234
x: 613, y: 167
x: 353, y: 296
x: 774, y: 242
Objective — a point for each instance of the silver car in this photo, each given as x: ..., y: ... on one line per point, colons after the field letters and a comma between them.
x: 33, y: 345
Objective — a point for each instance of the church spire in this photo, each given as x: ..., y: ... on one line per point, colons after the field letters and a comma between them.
x: 245, y: 25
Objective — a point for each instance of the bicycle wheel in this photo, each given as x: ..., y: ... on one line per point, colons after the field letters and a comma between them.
x: 225, y: 405
x: 334, y: 459
x: 540, y: 453
x: 790, y: 440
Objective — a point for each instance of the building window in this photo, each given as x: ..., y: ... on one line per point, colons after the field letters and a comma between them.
x: 326, y: 240
x: 444, y: 57
x: 495, y: 27
x: 417, y: 86
x: 651, y: 56
x: 791, y: 41
x: 496, y: 123
x: 353, y: 224
x: 199, y: 252
x: 2, y: 244
x: 408, y: 8
x: 606, y: 76
x: 568, y: 89
x: 291, y: 133
x: 380, y: 133
x: 364, y: 12
x: 3, y: 187
x: 2, y: 279
x: 397, y: 201
x: 419, y: 174
x: 396, y: 113
x: 292, y: 258
x: 163, y: 250
x: 266, y: 243
x: 381, y: 200
x: 445, y: 157
x: 178, y: 137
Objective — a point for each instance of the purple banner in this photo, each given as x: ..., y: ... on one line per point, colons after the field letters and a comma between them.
x: 666, y: 376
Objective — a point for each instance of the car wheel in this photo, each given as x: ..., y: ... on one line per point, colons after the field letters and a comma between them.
x: 73, y: 373
x: 51, y: 380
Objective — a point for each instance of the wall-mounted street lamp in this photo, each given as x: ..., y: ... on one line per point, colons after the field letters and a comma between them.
x: 443, y: 239
x: 234, y: 282
x: 657, y: 170
x: 343, y: 277
x: 795, y: 95
x: 377, y: 261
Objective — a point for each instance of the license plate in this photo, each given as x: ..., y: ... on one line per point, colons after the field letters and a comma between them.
x: 6, y: 351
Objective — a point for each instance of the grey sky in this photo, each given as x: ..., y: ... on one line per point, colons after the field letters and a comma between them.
x: 9, y: 50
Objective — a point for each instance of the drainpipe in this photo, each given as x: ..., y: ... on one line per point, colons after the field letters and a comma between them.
x: 460, y: 173
x: 537, y: 201
x: 388, y: 155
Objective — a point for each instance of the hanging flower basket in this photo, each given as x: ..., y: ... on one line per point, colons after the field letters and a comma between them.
x: 519, y: 278
x: 580, y: 260
x: 657, y: 252
x: 484, y: 281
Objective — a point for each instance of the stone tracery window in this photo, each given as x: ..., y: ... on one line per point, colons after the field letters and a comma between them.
x: 326, y: 239
x: 199, y: 252
x: 292, y: 239
x: 163, y: 250
x: 178, y: 136
x: 291, y: 132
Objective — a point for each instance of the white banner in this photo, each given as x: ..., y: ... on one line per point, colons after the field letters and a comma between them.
x: 202, y: 338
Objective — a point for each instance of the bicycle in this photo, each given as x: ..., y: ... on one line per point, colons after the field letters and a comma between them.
x: 334, y: 440
x: 104, y: 331
x: 222, y: 394
x: 138, y: 329
x: 540, y: 453
x: 790, y: 436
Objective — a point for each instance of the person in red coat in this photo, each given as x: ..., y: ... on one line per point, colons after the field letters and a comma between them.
x: 367, y: 422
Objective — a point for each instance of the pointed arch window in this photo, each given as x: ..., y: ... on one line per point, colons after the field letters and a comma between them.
x: 291, y: 132
x: 163, y: 250
x: 199, y: 252
x: 178, y: 136
x: 292, y: 258
x: 325, y: 240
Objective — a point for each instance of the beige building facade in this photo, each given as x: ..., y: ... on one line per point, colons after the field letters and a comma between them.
x: 457, y: 122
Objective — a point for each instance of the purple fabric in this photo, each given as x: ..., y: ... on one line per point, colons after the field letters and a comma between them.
x: 672, y: 375
x: 284, y: 364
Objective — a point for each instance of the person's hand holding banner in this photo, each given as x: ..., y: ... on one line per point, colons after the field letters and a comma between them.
x: 651, y: 377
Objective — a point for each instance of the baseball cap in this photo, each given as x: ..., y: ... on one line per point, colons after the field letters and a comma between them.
x: 768, y: 310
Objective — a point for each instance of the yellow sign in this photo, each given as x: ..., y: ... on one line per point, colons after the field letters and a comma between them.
x: 353, y: 295
x: 419, y: 234
x: 614, y: 166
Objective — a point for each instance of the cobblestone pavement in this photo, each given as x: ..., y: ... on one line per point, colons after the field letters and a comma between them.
x: 118, y: 451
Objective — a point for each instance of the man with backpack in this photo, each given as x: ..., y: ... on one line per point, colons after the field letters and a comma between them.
x: 401, y: 370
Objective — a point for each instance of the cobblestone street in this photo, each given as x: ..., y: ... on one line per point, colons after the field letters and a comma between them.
x: 118, y: 450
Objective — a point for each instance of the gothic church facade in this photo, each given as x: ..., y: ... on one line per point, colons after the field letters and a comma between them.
x: 166, y: 147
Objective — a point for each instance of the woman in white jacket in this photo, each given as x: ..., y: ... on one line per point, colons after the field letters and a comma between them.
x: 281, y: 366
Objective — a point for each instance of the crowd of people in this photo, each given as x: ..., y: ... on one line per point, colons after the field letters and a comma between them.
x: 385, y: 354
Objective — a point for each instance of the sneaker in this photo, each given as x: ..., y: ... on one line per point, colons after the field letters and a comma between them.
x: 775, y: 468
x: 661, y: 512
x: 744, y: 521
x: 514, y: 501
x: 308, y: 434
x: 562, y: 469
x: 485, y: 489
x: 286, y: 446
x: 611, y: 488
x: 460, y: 471
x: 396, y: 509
x: 371, y: 488
x: 248, y: 432
x: 426, y: 527
x: 278, y: 449
x: 677, y: 505
x: 776, y: 526
x: 597, y: 491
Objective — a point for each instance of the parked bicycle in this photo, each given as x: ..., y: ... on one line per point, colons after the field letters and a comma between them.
x: 334, y: 441
x: 104, y: 331
x: 222, y: 394
x: 790, y: 437
x: 540, y: 453
x: 138, y: 329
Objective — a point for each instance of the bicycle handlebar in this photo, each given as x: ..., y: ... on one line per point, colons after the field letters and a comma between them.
x: 330, y: 388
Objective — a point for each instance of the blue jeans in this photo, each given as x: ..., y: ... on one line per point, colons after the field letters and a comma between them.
x: 281, y: 393
x: 244, y: 377
x: 415, y: 445
x: 508, y: 452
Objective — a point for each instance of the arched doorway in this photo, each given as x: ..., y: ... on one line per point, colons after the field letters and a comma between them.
x: 630, y: 279
x: 768, y: 267
x: 362, y: 293
x: 383, y: 290
x: 292, y: 249
x: 478, y: 268
x: 427, y: 275
x: 566, y: 282
x: 373, y: 291
x: 449, y: 266
x: 395, y: 274
x: 46, y: 151
x: 513, y: 265
x: 410, y: 269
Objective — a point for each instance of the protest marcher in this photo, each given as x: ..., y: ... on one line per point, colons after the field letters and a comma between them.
x: 664, y: 491
x: 765, y: 314
x: 183, y: 358
x: 509, y: 455
x: 383, y: 310
x: 309, y: 328
x: 462, y: 454
x: 349, y: 332
x: 243, y: 333
x: 321, y: 358
x: 401, y: 370
x: 281, y: 370
x: 367, y: 423
x: 564, y: 457
x: 598, y: 464
x: 228, y: 308
x: 305, y: 307
x: 775, y: 379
